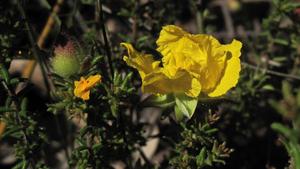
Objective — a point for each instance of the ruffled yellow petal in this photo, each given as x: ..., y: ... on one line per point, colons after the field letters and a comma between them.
x: 210, y: 58
x: 160, y: 83
x: 231, y: 71
x: 169, y: 34
x: 168, y: 42
x: 144, y: 63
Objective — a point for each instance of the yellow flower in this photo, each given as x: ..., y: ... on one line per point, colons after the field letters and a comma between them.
x: 83, y: 87
x: 191, y: 64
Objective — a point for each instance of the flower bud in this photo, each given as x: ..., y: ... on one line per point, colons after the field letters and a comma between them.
x: 65, y: 62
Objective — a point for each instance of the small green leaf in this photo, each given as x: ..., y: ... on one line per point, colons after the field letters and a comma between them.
x: 23, y: 110
x: 185, y: 105
x: 14, y: 81
x: 97, y: 59
x: 4, y: 73
x: 287, y: 132
x: 6, y: 109
x: 286, y: 90
x: 268, y: 87
x: 13, y: 132
x: 281, y: 42
x: 200, y: 158
x: 114, y: 106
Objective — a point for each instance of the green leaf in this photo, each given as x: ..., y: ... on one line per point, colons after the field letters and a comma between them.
x: 114, y: 106
x: 287, y: 132
x: 185, y: 105
x: 23, y: 110
x: 178, y: 114
x: 14, y: 81
x: 286, y: 90
x: 13, y: 132
x: 4, y: 73
x: 200, y: 158
x: 281, y: 42
x: 6, y: 109
x: 97, y: 59
x: 268, y: 87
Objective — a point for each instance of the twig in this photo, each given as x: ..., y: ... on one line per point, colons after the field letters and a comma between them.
x: 143, y: 155
x: 15, y: 101
x: 35, y: 50
x: 40, y: 43
x: 271, y: 72
x: 107, y: 46
x: 49, y: 24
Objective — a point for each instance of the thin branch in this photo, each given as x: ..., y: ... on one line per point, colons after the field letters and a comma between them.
x: 50, y: 23
x: 104, y: 33
x: 35, y: 50
x: 143, y: 155
x: 15, y: 102
x: 247, y: 65
x: 40, y: 43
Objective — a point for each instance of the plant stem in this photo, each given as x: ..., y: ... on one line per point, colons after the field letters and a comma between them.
x: 247, y: 65
x: 104, y: 33
x: 35, y: 50
x: 16, y: 103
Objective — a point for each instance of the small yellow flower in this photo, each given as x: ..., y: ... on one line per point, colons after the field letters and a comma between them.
x: 191, y: 64
x: 83, y: 87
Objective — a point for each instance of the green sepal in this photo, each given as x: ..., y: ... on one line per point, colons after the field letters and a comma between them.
x: 185, y: 106
x: 162, y: 101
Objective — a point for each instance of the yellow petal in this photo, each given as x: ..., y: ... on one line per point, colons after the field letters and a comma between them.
x: 76, y: 83
x: 168, y: 41
x: 79, y: 87
x: 156, y: 83
x: 168, y: 34
x: 160, y: 83
x: 144, y: 63
x: 195, y: 89
x: 92, y: 80
x: 85, y: 95
x: 210, y: 60
x: 82, y: 87
x: 232, y: 69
